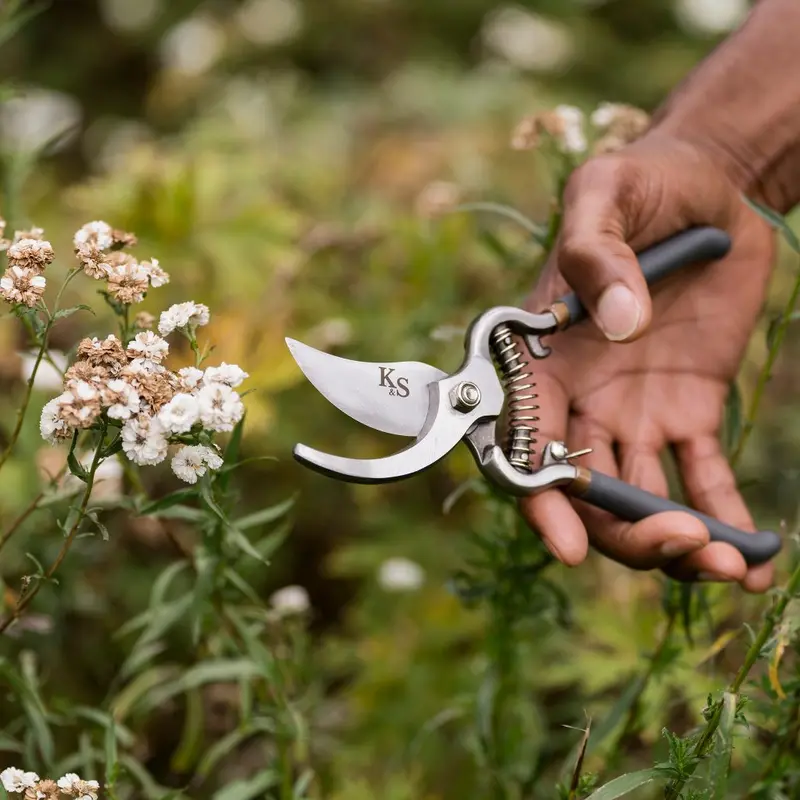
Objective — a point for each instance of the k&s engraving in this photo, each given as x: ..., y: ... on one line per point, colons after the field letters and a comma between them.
x: 397, y: 386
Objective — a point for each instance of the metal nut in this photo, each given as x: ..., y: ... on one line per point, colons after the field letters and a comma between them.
x: 465, y: 397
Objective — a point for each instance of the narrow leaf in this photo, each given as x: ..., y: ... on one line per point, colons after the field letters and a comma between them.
x: 68, y: 312
x: 266, y: 515
x: 777, y: 221
x: 248, y: 788
x: 168, y: 501
x: 625, y: 784
x: 723, y: 747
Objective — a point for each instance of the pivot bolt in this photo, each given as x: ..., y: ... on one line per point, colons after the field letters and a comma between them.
x: 465, y: 397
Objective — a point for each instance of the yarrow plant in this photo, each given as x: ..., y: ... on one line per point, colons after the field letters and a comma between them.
x: 30, y: 786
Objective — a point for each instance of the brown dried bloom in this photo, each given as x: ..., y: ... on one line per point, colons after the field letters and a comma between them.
x: 93, y: 260
x: 107, y: 353
x: 30, y: 253
x: 123, y: 238
x: 620, y: 123
x: 144, y: 320
x: 156, y: 275
x: 80, y: 404
x: 22, y: 285
x: 84, y: 371
x: 128, y: 282
x: 563, y: 124
x: 44, y: 790
x: 155, y: 389
x: 33, y: 233
x: 437, y: 198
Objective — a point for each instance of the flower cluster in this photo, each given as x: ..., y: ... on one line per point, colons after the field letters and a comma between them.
x: 154, y: 407
x: 617, y: 124
x: 23, y: 282
x: 99, y: 250
x: 32, y: 787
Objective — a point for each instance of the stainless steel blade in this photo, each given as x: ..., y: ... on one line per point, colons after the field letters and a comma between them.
x: 389, y: 396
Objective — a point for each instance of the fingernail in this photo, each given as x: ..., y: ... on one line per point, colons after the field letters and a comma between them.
x: 618, y: 312
x: 675, y: 547
x: 713, y: 576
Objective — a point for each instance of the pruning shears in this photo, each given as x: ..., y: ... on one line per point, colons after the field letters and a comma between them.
x: 440, y: 410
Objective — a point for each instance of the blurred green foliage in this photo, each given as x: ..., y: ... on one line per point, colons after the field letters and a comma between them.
x: 272, y: 163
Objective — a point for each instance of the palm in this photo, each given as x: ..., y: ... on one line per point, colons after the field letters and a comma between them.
x: 629, y: 402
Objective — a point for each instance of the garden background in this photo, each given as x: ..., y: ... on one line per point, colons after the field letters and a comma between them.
x: 272, y: 155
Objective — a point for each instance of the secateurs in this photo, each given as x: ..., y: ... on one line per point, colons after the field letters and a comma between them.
x: 440, y: 410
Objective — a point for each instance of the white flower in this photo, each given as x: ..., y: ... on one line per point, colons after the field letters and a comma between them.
x: 126, y: 402
x: 400, y: 574
x: 83, y: 391
x: 144, y: 441
x: 157, y: 275
x: 183, y: 315
x: 15, y: 780
x: 51, y: 424
x: 70, y: 783
x: 148, y: 345
x: 191, y: 462
x: 290, y: 600
x: 229, y: 374
x: 143, y: 366
x: 573, y: 138
x: 179, y: 414
x: 89, y: 789
x: 190, y: 378
x: 98, y: 233
x: 220, y: 407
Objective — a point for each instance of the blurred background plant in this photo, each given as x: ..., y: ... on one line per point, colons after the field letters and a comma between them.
x: 288, y: 162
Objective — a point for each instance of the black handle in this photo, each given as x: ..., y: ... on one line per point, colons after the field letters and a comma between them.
x: 632, y: 504
x: 688, y: 247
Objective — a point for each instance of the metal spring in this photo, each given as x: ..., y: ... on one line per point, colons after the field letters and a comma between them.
x: 518, y: 386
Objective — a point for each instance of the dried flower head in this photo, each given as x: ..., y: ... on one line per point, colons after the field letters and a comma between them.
x: 121, y: 399
x: 192, y: 461
x: 148, y: 345
x: 437, y: 198
x: 52, y: 426
x: 563, y: 125
x: 93, y: 260
x: 33, y: 233
x: 621, y: 125
x: 47, y: 790
x: 98, y: 234
x: 156, y: 275
x: 182, y: 316
x: 80, y: 405
x: 91, y: 373
x: 220, y: 407
x: 33, y: 254
x: 144, y: 320
x: 107, y: 353
x: 155, y: 387
x: 144, y: 441
x: 190, y: 379
x: 128, y: 282
x: 74, y: 786
x: 22, y: 285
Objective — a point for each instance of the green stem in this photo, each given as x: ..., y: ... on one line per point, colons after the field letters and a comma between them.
x: 535, y: 230
x: 773, y: 617
x: 23, y: 409
x: 25, y: 601
x: 766, y: 371
x: 41, y: 354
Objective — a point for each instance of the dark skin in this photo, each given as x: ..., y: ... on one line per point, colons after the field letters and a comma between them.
x: 653, y: 373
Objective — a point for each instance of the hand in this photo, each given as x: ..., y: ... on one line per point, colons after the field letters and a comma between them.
x: 662, y: 379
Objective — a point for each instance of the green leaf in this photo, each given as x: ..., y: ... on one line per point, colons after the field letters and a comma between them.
x: 723, y: 747
x: 734, y: 417
x: 538, y: 233
x: 777, y: 221
x: 68, y: 312
x: 248, y: 788
x: 33, y: 708
x: 92, y: 515
x: 168, y: 501
x: 76, y: 468
x: 231, y: 453
x: 189, y: 747
x: 266, y: 515
x: 9, y: 744
x: 110, y: 750
x: 625, y: 784
x: 139, y: 687
x: 245, y: 545
x: 228, y: 743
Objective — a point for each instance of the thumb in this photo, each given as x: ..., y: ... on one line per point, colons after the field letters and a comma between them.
x: 593, y: 257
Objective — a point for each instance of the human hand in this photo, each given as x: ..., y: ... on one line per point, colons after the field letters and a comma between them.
x: 659, y: 376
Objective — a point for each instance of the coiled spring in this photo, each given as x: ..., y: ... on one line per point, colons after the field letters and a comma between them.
x: 518, y: 384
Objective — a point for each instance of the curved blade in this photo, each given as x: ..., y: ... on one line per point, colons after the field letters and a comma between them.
x: 390, y: 396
